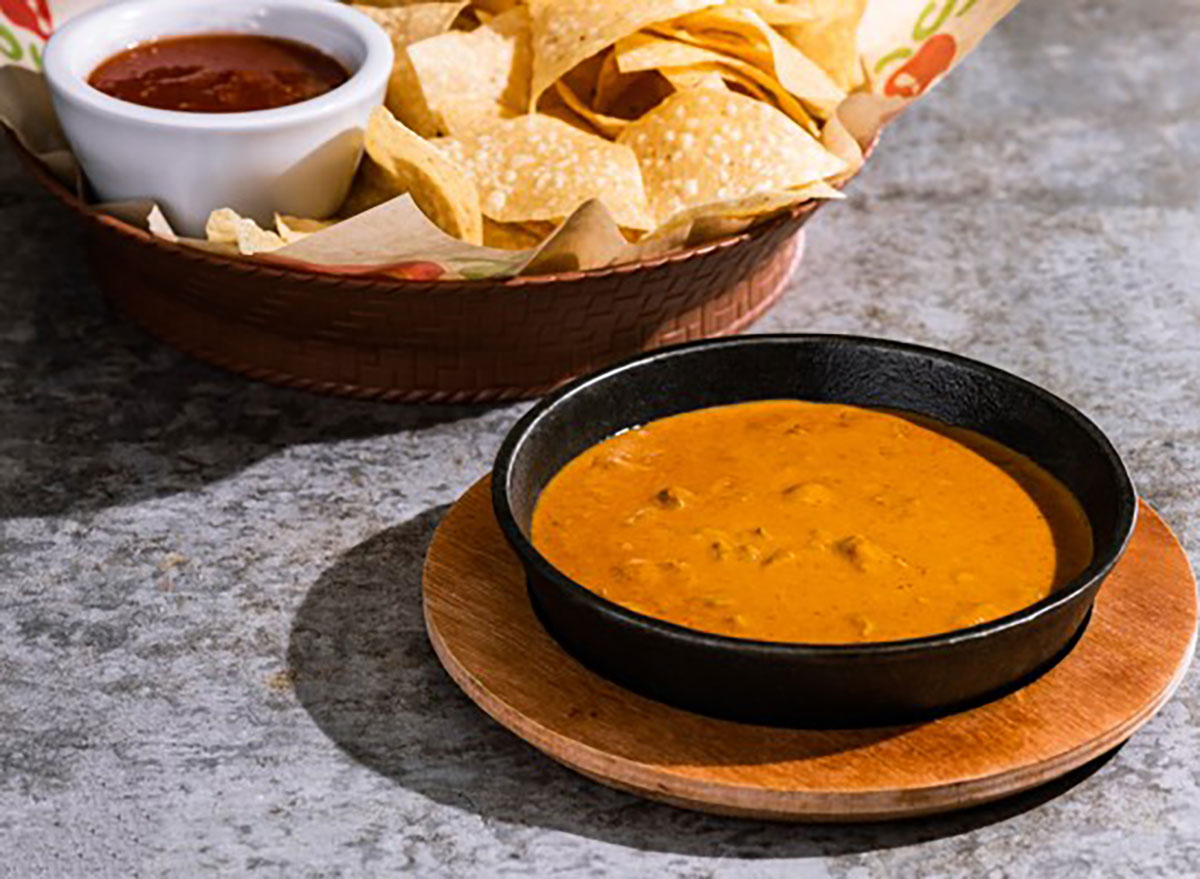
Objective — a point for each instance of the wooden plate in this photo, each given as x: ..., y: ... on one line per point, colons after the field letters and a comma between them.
x: 1127, y: 664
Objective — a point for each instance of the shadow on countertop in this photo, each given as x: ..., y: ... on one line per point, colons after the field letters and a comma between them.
x: 94, y: 413
x: 367, y: 676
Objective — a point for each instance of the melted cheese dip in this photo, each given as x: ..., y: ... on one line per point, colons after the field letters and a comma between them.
x: 811, y: 522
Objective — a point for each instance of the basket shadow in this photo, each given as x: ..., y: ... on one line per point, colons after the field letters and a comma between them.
x: 366, y: 674
x: 97, y: 414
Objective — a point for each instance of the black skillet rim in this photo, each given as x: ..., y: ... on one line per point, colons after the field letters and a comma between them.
x: 1103, y: 558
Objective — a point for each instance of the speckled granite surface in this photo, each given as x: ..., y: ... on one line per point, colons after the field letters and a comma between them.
x: 211, y: 653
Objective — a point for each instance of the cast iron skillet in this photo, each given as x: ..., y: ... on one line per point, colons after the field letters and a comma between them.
x: 813, y: 685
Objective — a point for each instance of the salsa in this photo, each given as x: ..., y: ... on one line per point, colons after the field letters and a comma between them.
x: 218, y: 73
x: 813, y: 522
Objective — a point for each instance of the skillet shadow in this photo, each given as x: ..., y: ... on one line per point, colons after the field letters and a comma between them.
x: 96, y: 413
x: 364, y: 671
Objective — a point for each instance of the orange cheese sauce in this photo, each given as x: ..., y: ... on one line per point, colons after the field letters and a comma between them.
x: 811, y: 522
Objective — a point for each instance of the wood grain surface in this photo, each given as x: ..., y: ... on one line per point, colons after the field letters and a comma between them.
x: 1131, y: 658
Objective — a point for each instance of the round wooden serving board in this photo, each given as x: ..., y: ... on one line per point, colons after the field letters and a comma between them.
x: 1129, y: 661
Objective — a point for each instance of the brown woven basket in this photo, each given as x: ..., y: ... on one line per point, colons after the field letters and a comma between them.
x: 436, y: 341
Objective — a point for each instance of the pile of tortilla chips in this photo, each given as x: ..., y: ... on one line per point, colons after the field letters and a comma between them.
x: 685, y: 119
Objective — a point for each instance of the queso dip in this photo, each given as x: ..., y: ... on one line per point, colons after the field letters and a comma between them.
x: 811, y: 522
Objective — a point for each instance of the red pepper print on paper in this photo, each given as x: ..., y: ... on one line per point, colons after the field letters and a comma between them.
x: 417, y: 271
x: 930, y: 54
x: 31, y: 15
x: 931, y: 61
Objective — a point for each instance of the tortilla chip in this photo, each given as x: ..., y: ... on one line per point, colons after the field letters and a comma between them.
x: 407, y: 23
x: 405, y: 100
x: 572, y: 99
x: 723, y: 76
x: 780, y: 12
x: 719, y: 219
x: 719, y: 75
x: 566, y: 32
x: 608, y: 126
x: 537, y: 167
x: 494, y: 7
x: 552, y: 104
x: 515, y: 236
x: 722, y: 30
x: 647, y: 50
x: 398, y: 161
x: 584, y: 77
x: 704, y: 145
x: 706, y: 223
x: 651, y: 51
x: 682, y: 78
x: 743, y: 34
x: 293, y: 229
x: 227, y: 226
x: 414, y: 21
x: 610, y: 82
x: 462, y: 80
x: 831, y: 40
x: 390, y: 4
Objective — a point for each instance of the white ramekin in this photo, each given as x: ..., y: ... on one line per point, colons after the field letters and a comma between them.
x: 297, y: 159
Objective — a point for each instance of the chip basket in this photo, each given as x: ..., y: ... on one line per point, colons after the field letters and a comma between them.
x: 429, y: 341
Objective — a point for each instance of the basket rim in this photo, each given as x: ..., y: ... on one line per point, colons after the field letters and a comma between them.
x: 241, y: 263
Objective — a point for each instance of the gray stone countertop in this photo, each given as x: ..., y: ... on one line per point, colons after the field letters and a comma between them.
x: 211, y: 653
